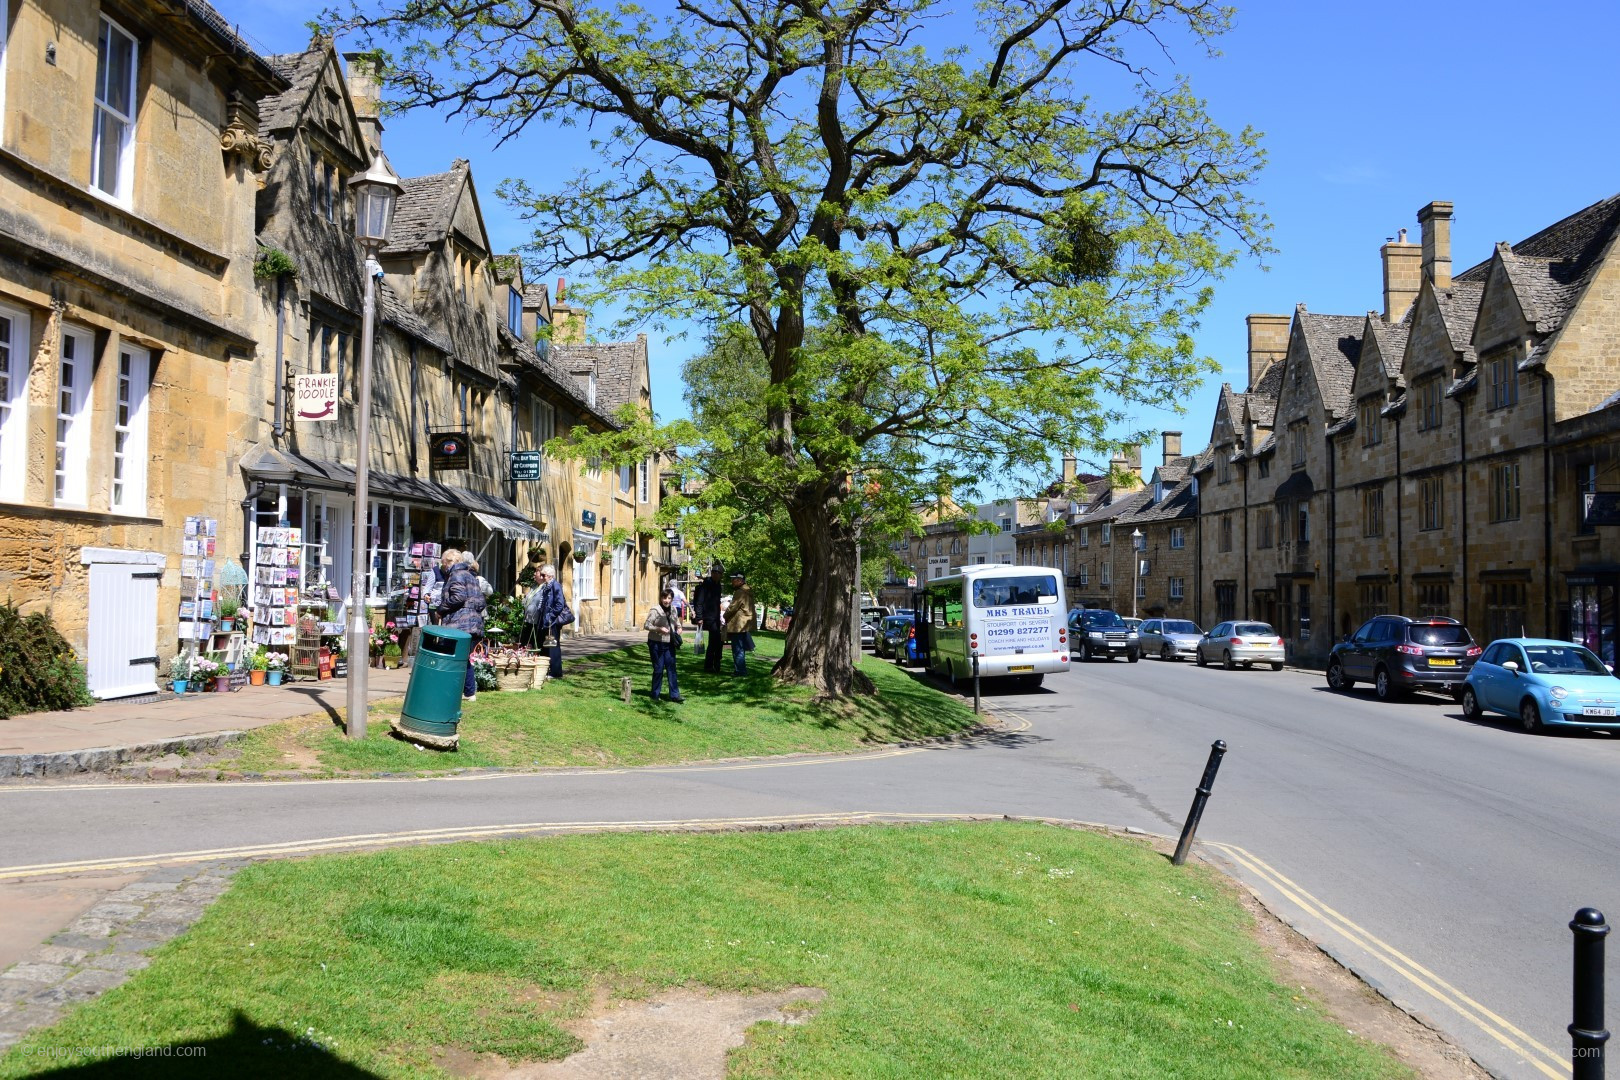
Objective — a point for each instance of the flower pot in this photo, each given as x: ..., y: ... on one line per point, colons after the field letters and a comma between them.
x: 222, y: 684
x: 181, y: 686
x: 273, y: 678
x: 257, y: 677
x: 226, y: 626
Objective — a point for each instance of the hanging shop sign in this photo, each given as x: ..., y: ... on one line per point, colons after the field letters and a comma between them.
x: 1603, y: 508
x: 587, y: 518
x: 525, y: 464
x: 450, y: 450
x: 315, y: 397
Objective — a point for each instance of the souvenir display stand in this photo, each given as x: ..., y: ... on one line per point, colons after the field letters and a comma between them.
x: 197, y: 588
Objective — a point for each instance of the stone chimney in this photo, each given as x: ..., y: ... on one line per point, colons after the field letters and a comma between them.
x: 1172, y: 446
x: 567, y: 324
x: 1268, y: 342
x: 1133, y: 460
x: 1403, y: 274
x: 1068, y: 470
x: 365, y: 90
x: 1435, y: 219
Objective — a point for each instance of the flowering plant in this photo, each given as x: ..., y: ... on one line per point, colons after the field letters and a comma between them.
x: 203, y: 667
x: 275, y: 661
x: 383, y: 636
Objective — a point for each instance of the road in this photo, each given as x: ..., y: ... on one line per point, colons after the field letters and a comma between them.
x: 1441, y: 859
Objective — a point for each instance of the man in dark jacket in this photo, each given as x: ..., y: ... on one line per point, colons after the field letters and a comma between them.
x: 706, y: 605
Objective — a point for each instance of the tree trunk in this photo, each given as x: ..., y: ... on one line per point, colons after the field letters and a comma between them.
x: 819, y: 650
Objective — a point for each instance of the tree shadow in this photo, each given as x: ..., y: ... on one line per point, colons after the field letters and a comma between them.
x: 247, y: 1050
x: 313, y: 693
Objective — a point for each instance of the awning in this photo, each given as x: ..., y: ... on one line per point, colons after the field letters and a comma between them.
x: 1297, y: 486
x: 511, y: 528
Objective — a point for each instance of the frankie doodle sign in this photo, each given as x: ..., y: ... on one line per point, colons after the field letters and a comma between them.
x: 315, y: 396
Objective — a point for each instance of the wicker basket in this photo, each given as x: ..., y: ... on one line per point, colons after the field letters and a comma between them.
x: 514, y: 674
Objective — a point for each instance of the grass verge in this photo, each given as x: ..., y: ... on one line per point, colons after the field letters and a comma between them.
x: 580, y: 720
x: 968, y: 950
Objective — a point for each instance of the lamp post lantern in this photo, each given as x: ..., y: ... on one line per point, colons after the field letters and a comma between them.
x: 375, y: 193
x: 1136, y: 578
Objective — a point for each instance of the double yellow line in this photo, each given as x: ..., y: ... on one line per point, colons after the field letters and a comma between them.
x: 1543, y: 1057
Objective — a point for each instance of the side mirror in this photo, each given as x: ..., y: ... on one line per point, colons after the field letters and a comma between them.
x: 1511, y: 665
x: 1345, y: 639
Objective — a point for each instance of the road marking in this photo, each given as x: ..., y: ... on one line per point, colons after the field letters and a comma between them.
x: 1498, y: 1028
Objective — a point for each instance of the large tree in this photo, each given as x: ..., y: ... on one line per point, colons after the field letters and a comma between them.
x: 1001, y: 224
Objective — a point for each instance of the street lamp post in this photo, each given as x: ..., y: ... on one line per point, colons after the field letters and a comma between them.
x: 375, y: 192
x: 1136, y: 578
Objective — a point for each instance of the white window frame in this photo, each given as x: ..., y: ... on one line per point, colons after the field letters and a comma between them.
x: 1178, y: 588
x: 1178, y: 538
x: 131, y: 417
x: 644, y: 481
x: 627, y: 481
x: 121, y: 193
x: 393, y: 557
x: 619, y: 585
x: 72, y: 472
x: 584, y: 572
x: 16, y: 351
x: 1107, y: 575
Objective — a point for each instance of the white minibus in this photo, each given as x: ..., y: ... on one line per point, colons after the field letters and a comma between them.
x: 1011, y: 617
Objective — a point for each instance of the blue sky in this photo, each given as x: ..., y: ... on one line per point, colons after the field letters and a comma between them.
x: 1369, y: 110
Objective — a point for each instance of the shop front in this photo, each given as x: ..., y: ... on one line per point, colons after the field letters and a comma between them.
x: 1592, y: 616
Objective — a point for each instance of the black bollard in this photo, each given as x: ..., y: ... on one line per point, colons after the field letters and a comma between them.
x: 1587, y: 1031
x: 975, y: 684
x: 1216, y: 751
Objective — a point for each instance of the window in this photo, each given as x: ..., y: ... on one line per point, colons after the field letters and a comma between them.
x: 1225, y: 600
x: 939, y: 547
x: 1085, y: 575
x: 1226, y: 532
x: 73, y: 418
x: 1504, y: 381
x: 542, y: 422
x: 1505, y: 491
x: 1296, y: 443
x: 644, y: 481
x: 1433, y: 598
x: 1178, y: 588
x: 315, y: 182
x: 1107, y: 574
x: 1263, y: 527
x: 1006, y: 524
x: 329, y: 189
x: 14, y: 364
x: 585, y: 571
x: 627, y: 479
x: 1505, y: 609
x: 956, y: 546
x: 1428, y: 395
x: 1265, y: 466
x: 1374, y: 598
x: 1085, y: 536
x: 113, y: 139
x: 1223, y: 465
x: 620, y: 584
x: 129, y: 431
x: 390, y: 549
x: 1372, y: 511
x: 1431, y: 515
x: 1107, y: 534
x: 1298, y: 375
x: 1141, y: 587
x: 1372, y: 422
x: 1304, y: 609
x: 1178, y: 538
x: 514, y: 310
x: 1302, y: 531
x: 1585, y: 484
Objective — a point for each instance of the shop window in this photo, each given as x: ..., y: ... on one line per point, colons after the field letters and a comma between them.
x: 112, y: 151
x: 129, y: 431
x: 74, y: 371
x: 390, y: 548
x: 1592, y: 618
x: 1505, y: 609
x: 1585, y: 484
x: 14, y: 363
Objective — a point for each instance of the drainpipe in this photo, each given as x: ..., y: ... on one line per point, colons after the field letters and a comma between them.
x: 1400, y: 533
x: 249, y: 504
x: 1247, y: 595
x: 1546, y: 512
x: 280, y: 428
x: 1333, y: 546
x: 1462, y: 484
x: 416, y: 387
x: 1198, y: 564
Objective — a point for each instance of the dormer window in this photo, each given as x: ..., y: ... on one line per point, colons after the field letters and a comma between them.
x: 323, y: 187
x: 514, y: 310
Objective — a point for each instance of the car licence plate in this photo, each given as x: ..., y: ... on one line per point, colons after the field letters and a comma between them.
x: 1593, y: 710
x: 1435, y: 661
x: 1019, y: 669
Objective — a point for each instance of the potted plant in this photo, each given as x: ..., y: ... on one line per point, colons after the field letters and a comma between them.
x: 392, y: 655
x: 579, y: 556
x: 228, y: 606
x: 382, y: 637
x: 180, y: 673
x: 259, y: 666
x: 205, y: 670
x: 275, y: 665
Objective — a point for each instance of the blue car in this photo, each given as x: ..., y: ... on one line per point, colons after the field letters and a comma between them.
x: 897, y: 638
x: 1543, y: 683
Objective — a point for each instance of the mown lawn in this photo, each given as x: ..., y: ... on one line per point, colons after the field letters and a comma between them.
x: 966, y: 950
x: 581, y: 720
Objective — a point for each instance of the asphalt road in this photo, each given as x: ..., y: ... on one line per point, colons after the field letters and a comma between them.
x: 1441, y: 859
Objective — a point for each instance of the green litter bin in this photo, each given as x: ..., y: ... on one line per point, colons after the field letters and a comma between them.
x: 432, y: 709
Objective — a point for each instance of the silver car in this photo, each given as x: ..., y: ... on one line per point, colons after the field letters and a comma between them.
x: 1246, y: 643
x: 1170, y: 639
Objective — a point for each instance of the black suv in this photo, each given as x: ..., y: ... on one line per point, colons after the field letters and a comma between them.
x: 1100, y: 632
x: 1398, y: 655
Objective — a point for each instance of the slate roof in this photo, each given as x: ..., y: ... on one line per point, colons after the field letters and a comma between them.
x: 279, y: 112
x: 616, y: 366
x: 1124, y: 503
x: 1334, y: 345
x: 1262, y: 396
x: 397, y: 313
x: 537, y: 295
x: 1459, y: 305
x: 1178, y: 503
x: 1391, y: 345
x: 422, y: 215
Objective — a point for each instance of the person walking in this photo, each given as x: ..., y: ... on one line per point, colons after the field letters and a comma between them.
x: 664, y: 643
x: 462, y: 608
x: 706, y: 603
x: 740, y: 622
x: 551, y: 614
x: 436, y: 577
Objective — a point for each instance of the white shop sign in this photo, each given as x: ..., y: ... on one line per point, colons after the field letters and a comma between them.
x: 315, y: 396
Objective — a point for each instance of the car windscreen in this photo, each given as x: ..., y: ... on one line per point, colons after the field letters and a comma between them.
x: 1253, y: 629
x: 895, y: 622
x: 1563, y: 660
x: 1179, y: 626
x: 1015, y: 589
x: 1100, y: 619
x: 1445, y: 634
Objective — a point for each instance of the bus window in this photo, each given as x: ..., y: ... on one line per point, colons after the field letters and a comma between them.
x: 1023, y: 589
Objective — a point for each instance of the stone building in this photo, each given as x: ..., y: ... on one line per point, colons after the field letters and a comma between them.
x: 129, y: 162
x: 1162, y: 567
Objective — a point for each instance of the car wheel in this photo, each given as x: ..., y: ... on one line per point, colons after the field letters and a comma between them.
x: 1530, y: 717
x: 1276, y: 665
x: 1226, y: 660
x: 950, y: 672
x: 1198, y: 657
x: 1470, y: 705
x: 1085, y: 652
x: 1033, y: 682
x: 1166, y: 653
x: 1383, y: 686
x: 1135, y: 655
x: 1336, y: 677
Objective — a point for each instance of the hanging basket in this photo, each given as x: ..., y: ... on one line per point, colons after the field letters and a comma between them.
x: 515, y: 673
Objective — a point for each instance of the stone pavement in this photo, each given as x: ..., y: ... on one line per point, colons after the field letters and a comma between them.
x: 113, y: 732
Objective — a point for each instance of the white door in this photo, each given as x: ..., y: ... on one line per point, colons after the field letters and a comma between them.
x: 123, y: 624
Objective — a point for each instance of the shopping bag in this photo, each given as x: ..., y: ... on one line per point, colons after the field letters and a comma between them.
x: 697, y: 643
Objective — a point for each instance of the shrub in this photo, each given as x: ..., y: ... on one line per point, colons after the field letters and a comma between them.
x: 38, y: 668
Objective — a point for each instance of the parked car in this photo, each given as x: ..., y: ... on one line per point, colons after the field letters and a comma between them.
x: 1238, y: 642
x: 897, y: 638
x: 1544, y: 683
x: 1169, y: 639
x: 868, y: 635
x: 1133, y: 622
x: 1098, y: 632
x: 1398, y: 655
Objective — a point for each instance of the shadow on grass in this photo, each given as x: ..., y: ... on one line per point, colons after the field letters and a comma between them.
x: 247, y: 1050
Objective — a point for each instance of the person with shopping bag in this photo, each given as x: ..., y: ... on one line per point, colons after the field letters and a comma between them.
x: 741, y: 622
x: 664, y: 643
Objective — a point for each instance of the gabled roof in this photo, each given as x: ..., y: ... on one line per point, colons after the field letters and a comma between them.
x: 1179, y: 502
x: 1122, y: 503
x: 1391, y: 342
x: 1459, y: 306
x: 423, y: 214
x: 1261, y: 400
x: 280, y: 111
x: 1577, y: 240
x: 1333, y: 343
x: 618, y: 367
